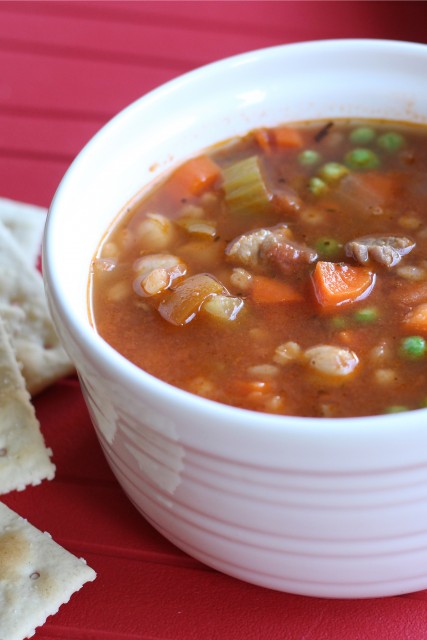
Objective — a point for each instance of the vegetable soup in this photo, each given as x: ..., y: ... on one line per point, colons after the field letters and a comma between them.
x: 284, y: 271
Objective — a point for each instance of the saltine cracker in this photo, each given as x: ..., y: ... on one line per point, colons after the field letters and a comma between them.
x: 37, y: 576
x: 36, y: 344
x: 24, y: 458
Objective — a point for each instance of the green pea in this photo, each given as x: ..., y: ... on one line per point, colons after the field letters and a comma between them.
x: 332, y: 171
x: 328, y: 247
x: 391, y: 141
x: 413, y: 347
x: 361, y: 158
x: 338, y: 322
x: 309, y: 157
x: 396, y: 408
x: 317, y: 186
x: 362, y: 135
x: 366, y: 315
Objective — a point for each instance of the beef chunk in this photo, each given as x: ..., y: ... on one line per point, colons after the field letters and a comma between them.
x: 285, y: 254
x: 270, y: 247
x: 385, y: 250
x: 245, y: 249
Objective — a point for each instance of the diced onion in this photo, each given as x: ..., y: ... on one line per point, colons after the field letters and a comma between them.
x: 223, y: 307
x: 186, y: 300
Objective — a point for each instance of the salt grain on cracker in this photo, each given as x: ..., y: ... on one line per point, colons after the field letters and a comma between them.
x: 37, y: 576
x: 24, y: 458
x: 35, y: 342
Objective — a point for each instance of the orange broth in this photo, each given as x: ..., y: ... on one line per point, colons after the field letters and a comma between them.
x: 284, y: 273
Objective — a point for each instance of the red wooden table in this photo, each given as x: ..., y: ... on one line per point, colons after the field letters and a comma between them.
x: 65, y: 69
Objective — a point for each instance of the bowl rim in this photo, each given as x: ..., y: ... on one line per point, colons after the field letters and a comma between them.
x: 104, y: 354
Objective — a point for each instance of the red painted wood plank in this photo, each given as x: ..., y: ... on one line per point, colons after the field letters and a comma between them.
x: 52, y: 83
x: 298, y: 20
x: 32, y: 180
x: 208, y: 17
x: 141, y: 40
x: 43, y: 135
x: 76, y: 440
x: 90, y: 525
x: 309, y: 20
x: 216, y: 607
x: 72, y: 54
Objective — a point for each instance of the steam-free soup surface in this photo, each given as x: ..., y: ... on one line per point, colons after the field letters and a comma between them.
x: 283, y: 272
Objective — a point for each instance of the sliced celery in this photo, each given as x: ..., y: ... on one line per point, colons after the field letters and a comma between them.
x: 245, y: 188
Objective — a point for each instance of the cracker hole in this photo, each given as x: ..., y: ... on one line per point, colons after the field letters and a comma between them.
x: 35, y: 575
x: 3, y: 452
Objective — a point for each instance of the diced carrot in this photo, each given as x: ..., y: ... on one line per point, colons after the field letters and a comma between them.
x: 383, y: 184
x: 337, y: 284
x: 270, y: 291
x: 370, y: 189
x: 287, y: 137
x: 416, y: 320
x: 282, y: 137
x: 194, y: 177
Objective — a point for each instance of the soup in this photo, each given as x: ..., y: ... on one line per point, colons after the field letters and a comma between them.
x: 282, y: 272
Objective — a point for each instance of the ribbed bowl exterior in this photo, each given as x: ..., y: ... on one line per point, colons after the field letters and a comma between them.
x: 333, y: 534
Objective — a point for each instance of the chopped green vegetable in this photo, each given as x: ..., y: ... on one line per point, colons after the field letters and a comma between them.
x: 339, y: 322
x: 317, y: 186
x: 391, y: 141
x: 361, y: 158
x: 332, y: 171
x: 328, y: 247
x: 362, y: 135
x: 396, y: 408
x: 366, y: 315
x: 309, y: 157
x: 245, y: 188
x: 413, y: 347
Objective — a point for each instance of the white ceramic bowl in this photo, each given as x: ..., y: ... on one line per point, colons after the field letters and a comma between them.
x: 319, y: 507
